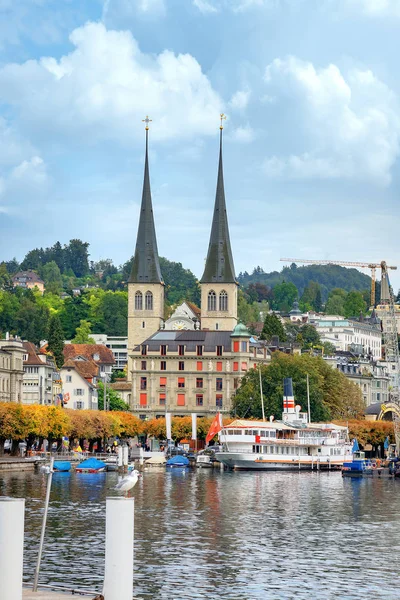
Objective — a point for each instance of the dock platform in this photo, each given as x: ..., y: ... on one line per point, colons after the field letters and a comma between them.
x: 50, y: 595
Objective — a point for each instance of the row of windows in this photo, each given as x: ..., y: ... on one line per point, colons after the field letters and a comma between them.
x: 148, y: 301
x: 199, y: 349
x: 181, y: 383
x: 199, y: 366
x: 212, y: 301
x: 5, y: 362
x: 181, y: 400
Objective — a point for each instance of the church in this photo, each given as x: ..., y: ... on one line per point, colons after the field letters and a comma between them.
x: 193, y: 362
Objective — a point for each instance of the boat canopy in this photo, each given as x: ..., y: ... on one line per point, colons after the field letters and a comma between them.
x: 178, y: 461
x: 92, y: 463
x: 62, y: 465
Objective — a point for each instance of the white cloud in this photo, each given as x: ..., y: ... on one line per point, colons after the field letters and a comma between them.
x: 374, y: 8
x: 29, y: 179
x: 205, y: 7
x: 240, y: 100
x: 243, y: 135
x: 350, y: 123
x: 106, y: 85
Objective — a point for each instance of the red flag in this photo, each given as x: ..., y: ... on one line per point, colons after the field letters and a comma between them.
x: 216, y: 426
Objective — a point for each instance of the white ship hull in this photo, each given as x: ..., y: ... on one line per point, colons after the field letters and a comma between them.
x: 241, y: 461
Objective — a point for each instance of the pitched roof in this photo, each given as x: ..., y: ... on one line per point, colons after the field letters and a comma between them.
x: 190, y: 339
x: 146, y: 264
x: 194, y: 308
x: 29, y: 275
x: 121, y: 386
x: 219, y: 264
x: 96, y: 352
x: 86, y: 368
x: 32, y: 352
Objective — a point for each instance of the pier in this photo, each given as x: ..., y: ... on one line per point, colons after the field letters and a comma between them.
x: 52, y: 595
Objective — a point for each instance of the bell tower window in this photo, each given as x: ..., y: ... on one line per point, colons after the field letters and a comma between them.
x: 148, y: 301
x: 138, y: 301
x: 212, y: 300
x: 223, y: 301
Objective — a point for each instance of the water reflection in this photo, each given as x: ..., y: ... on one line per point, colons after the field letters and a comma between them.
x: 209, y: 534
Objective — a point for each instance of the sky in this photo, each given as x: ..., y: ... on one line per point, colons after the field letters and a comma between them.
x: 311, y: 141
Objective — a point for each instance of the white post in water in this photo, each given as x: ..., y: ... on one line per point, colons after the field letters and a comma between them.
x: 44, y: 521
x: 12, y: 547
x: 125, y: 456
x: 118, y: 576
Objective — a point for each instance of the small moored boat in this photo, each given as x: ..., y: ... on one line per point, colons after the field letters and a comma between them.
x: 62, y: 466
x: 178, y: 461
x: 91, y: 465
x: 358, y: 467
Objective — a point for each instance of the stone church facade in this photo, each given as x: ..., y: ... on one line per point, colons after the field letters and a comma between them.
x: 193, y: 362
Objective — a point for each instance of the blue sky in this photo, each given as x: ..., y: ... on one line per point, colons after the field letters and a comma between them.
x: 311, y: 143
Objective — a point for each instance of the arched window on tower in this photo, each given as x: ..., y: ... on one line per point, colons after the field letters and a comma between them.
x: 148, y: 301
x: 138, y: 301
x: 212, y: 300
x: 223, y: 301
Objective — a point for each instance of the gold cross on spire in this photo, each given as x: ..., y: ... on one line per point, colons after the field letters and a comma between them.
x: 222, y: 117
x: 147, y: 121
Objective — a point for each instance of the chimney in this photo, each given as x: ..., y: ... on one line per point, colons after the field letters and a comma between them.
x: 288, y: 398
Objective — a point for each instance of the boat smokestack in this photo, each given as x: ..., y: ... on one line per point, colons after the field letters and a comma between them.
x: 288, y: 398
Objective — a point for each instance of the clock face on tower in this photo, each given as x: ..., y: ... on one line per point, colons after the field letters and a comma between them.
x: 178, y: 325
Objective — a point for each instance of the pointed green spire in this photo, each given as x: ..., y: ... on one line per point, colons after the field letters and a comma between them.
x: 219, y: 264
x: 146, y: 264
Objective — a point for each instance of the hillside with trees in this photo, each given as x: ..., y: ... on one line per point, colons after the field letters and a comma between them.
x: 91, y: 296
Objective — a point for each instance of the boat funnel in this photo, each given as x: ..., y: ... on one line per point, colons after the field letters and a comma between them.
x: 288, y: 398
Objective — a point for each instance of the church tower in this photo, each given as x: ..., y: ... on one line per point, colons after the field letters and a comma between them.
x: 218, y: 284
x: 145, y: 285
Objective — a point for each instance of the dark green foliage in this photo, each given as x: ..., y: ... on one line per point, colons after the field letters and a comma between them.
x: 354, y: 305
x: 112, y: 315
x: 284, y: 294
x: 32, y: 321
x: 273, y: 326
x: 331, y: 394
x: 327, y: 276
x: 114, y: 400
x: 56, y: 340
x: 74, y: 311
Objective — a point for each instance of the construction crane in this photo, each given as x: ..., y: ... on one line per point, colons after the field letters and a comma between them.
x: 390, y: 340
x: 360, y: 265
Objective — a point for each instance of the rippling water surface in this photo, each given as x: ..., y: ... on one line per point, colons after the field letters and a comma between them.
x: 226, y: 535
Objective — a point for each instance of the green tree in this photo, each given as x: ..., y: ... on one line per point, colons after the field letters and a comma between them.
x: 113, y: 313
x: 332, y: 395
x: 335, y: 302
x: 284, y: 296
x: 312, y: 296
x: 273, y: 326
x: 56, y: 340
x: 114, y: 400
x: 354, y: 305
x: 5, y: 278
x: 52, y: 277
x: 82, y: 334
x: 309, y: 335
x: 77, y: 257
x: 32, y: 321
x: 75, y: 309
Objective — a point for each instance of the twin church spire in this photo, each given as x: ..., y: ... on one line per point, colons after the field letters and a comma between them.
x: 146, y: 264
x: 219, y: 271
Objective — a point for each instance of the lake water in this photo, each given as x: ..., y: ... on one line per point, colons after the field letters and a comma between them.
x: 226, y: 535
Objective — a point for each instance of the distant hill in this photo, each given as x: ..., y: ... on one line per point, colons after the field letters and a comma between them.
x: 328, y: 277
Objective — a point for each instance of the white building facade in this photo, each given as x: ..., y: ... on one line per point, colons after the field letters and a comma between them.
x: 348, y: 335
x: 11, y: 370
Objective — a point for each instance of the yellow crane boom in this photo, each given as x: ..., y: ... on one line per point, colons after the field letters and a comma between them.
x: 344, y: 263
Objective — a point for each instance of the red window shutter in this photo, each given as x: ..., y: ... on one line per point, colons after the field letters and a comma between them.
x: 181, y: 400
x: 236, y: 366
x: 219, y: 366
x: 236, y: 346
x: 162, y: 399
x: 199, y: 365
x: 143, y: 399
x: 163, y: 381
x: 181, y: 380
x: 244, y: 366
